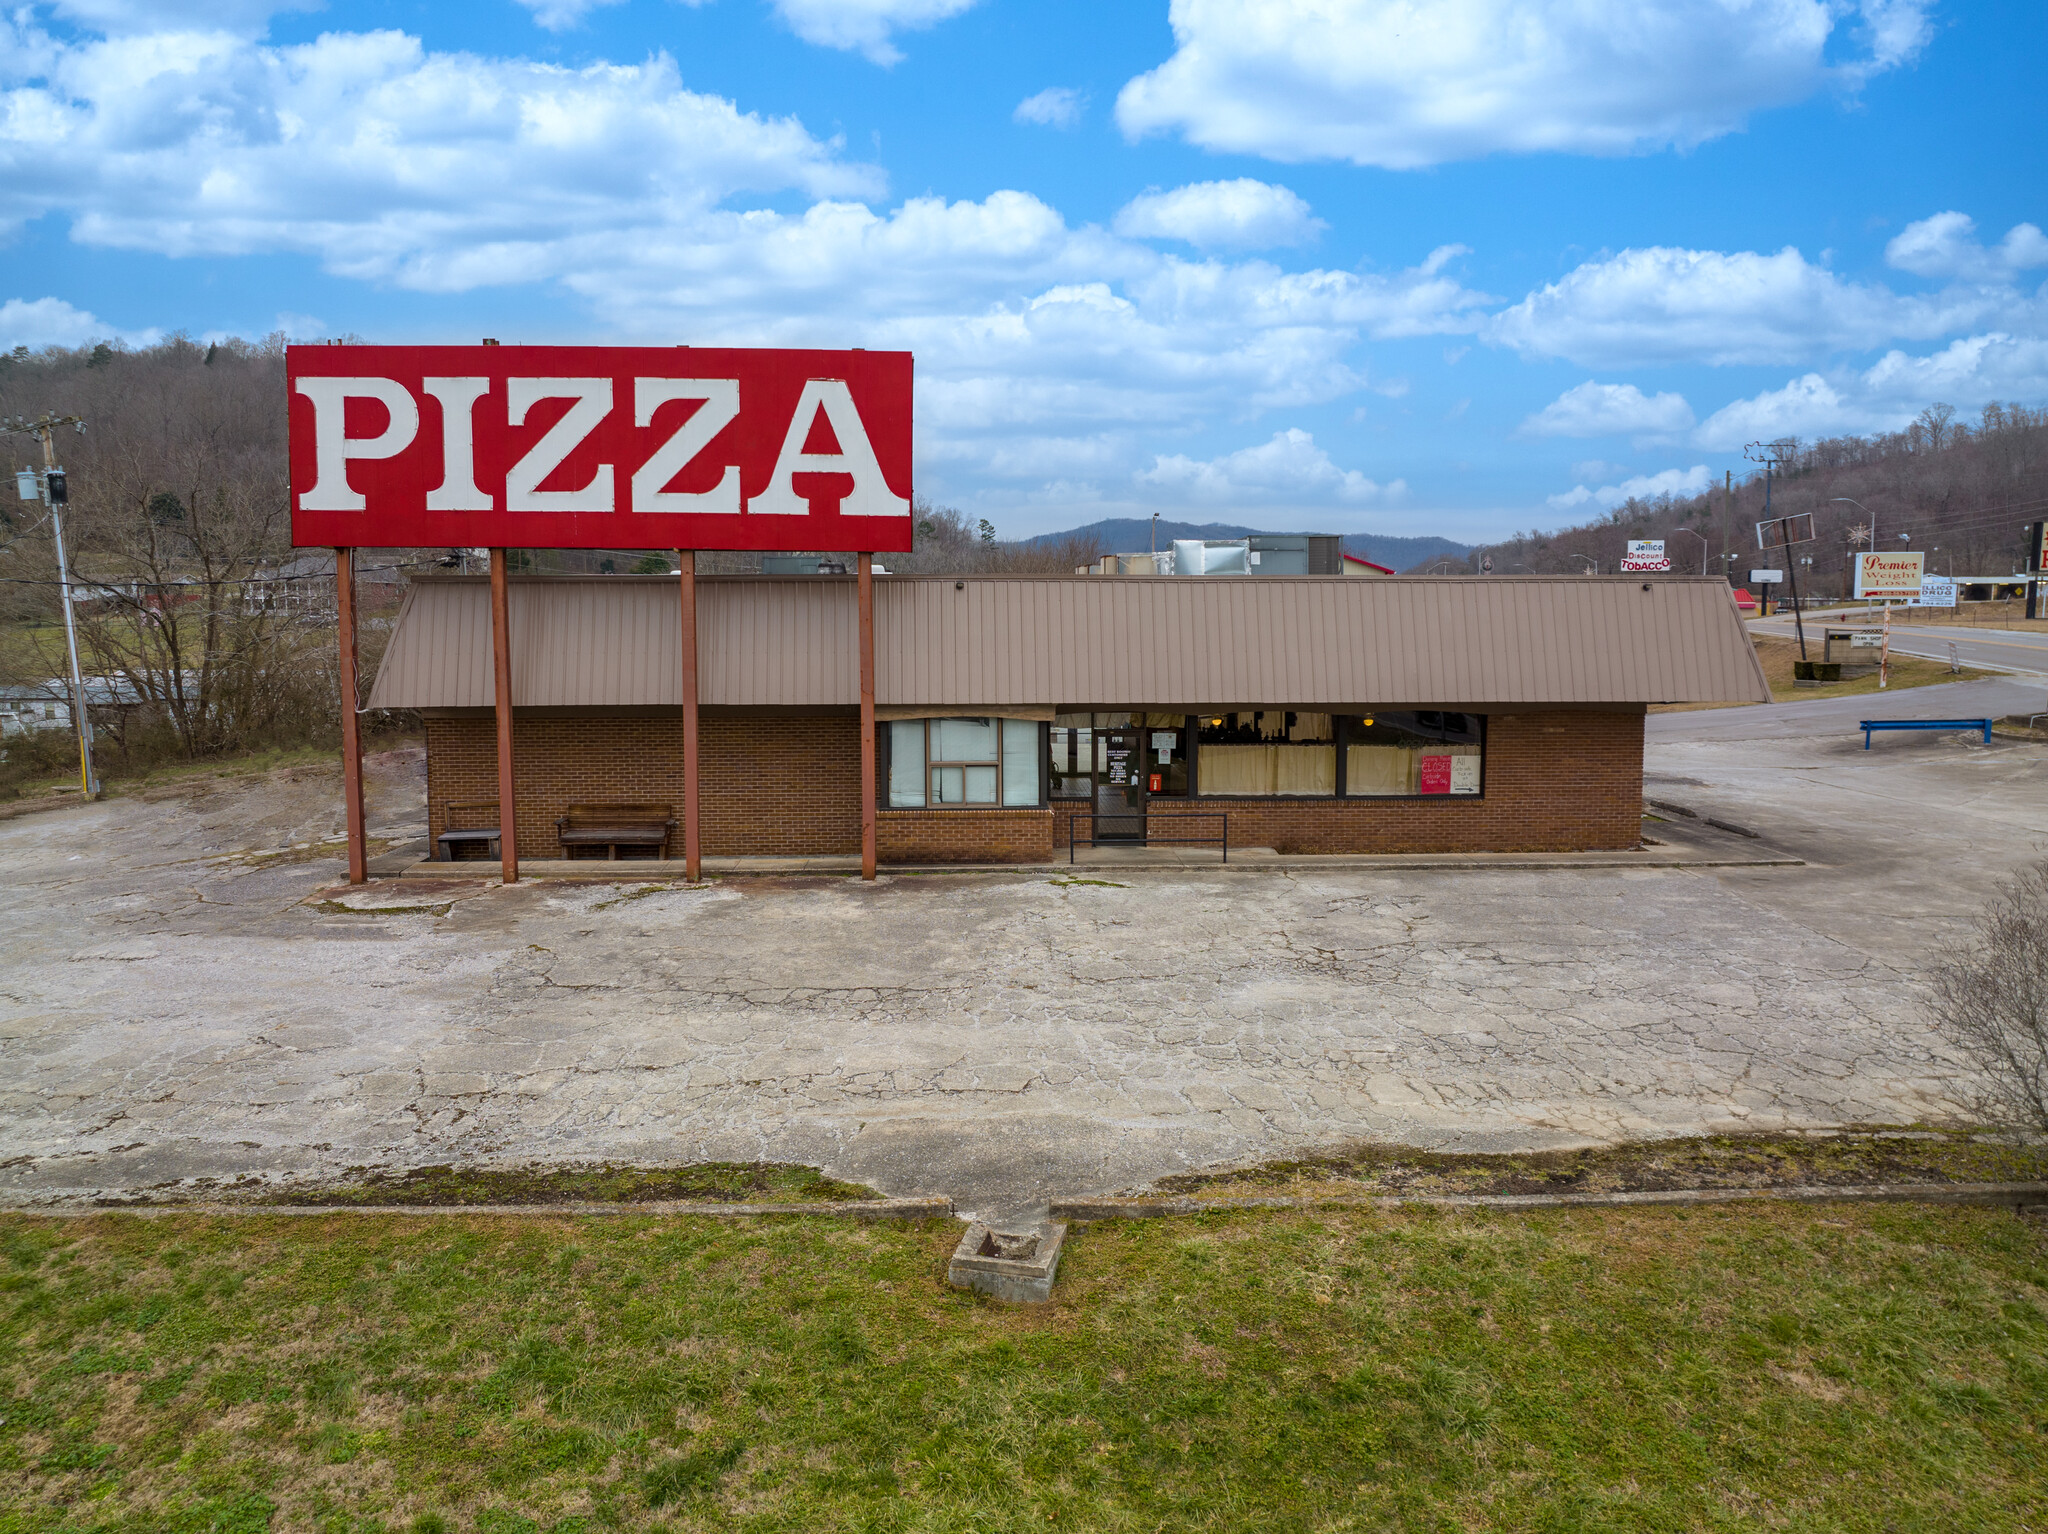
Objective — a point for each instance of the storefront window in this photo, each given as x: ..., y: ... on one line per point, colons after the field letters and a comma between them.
x: 1266, y: 752
x: 962, y: 762
x: 1166, y: 755
x: 1073, y: 748
x: 1400, y: 754
x: 906, y: 764
x: 1020, y: 762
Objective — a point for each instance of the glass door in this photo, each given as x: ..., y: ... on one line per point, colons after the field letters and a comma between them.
x: 1120, y: 787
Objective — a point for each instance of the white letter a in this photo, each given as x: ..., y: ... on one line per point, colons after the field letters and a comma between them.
x: 870, y: 495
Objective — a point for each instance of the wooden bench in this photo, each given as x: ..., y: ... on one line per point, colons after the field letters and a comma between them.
x: 614, y: 831
x: 462, y: 843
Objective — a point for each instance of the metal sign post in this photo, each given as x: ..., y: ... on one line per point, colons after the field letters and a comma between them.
x: 693, y: 849
x: 501, y: 691
x: 2037, y: 561
x: 867, y: 716
x: 1785, y: 531
x: 351, y: 716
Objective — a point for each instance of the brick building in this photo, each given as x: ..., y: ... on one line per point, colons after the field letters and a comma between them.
x: 1321, y: 714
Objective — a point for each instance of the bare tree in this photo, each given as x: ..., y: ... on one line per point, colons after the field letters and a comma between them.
x: 179, y: 503
x: 1992, y: 999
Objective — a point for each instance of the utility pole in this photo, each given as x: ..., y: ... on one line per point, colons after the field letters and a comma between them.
x: 55, y: 492
x: 1769, y: 454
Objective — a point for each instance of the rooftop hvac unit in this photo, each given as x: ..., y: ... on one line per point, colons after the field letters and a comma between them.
x: 1193, y: 556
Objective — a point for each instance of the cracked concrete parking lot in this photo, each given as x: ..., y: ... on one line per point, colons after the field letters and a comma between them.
x: 187, y: 995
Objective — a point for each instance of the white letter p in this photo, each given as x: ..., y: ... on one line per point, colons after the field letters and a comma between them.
x: 333, y: 447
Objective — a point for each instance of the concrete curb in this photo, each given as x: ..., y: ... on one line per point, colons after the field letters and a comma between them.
x: 853, y: 1209
x: 631, y: 873
x: 2014, y: 1195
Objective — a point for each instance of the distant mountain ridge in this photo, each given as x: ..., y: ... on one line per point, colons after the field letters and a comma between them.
x: 1124, y: 535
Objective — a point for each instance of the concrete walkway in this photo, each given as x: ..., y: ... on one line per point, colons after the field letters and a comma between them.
x: 1667, y: 852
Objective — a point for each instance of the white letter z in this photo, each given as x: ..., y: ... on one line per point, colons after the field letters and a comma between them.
x: 721, y: 398
x: 593, y: 398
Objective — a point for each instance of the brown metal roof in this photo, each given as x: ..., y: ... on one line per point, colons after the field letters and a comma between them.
x: 1029, y: 640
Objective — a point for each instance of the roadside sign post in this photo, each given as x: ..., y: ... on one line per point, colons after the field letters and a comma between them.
x: 2037, y: 562
x: 583, y: 447
x: 693, y: 846
x: 1781, y: 532
x: 351, y: 716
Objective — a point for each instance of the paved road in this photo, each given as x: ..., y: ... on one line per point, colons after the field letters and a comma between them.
x: 2004, y: 649
x: 1994, y: 697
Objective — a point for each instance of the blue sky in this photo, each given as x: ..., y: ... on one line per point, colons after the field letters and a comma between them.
x: 1461, y: 267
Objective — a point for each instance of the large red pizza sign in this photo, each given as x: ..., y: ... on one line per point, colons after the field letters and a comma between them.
x: 599, y: 447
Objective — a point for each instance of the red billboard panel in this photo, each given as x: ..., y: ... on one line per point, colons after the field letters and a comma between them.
x: 616, y: 447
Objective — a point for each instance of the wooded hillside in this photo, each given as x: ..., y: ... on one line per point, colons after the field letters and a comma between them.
x: 1960, y: 491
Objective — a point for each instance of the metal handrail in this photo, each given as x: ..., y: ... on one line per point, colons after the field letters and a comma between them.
x: 1147, y: 838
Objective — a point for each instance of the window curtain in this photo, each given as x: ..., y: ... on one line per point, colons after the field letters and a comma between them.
x: 906, y: 764
x: 1391, y: 771
x: 1020, y: 762
x: 1265, y: 770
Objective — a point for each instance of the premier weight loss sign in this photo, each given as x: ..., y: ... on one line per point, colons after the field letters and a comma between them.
x: 600, y: 447
x: 1889, y: 577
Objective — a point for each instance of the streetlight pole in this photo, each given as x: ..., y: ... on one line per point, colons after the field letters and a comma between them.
x: 1593, y: 565
x: 56, y: 493
x: 1705, y: 547
x: 1852, y: 501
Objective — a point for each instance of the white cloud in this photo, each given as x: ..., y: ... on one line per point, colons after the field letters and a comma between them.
x: 114, y: 17
x: 864, y: 26
x: 1946, y: 246
x: 560, y: 15
x: 1228, y: 215
x: 1690, y: 481
x: 1607, y: 410
x: 1396, y: 84
x: 1968, y: 373
x: 1047, y: 353
x: 388, y: 162
x: 1664, y: 304
x: 1053, y: 107
x: 41, y: 322
x: 1289, y: 469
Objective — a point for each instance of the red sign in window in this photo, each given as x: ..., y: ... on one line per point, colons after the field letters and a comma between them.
x: 1158, y: 781
x: 1436, y: 774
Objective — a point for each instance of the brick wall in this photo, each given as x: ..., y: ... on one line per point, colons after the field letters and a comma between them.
x: 964, y: 836
x: 1555, y: 782
x: 771, y: 786
x: 790, y: 785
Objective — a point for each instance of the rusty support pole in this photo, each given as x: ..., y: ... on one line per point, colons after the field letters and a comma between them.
x: 501, y: 693
x: 693, y: 859
x: 351, y: 735
x: 867, y: 716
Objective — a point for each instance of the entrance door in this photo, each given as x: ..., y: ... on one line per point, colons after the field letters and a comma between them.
x: 1120, y: 787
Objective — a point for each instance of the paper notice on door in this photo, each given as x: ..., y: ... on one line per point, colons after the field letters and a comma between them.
x: 1436, y: 775
x: 1166, y: 753
x: 1464, y: 774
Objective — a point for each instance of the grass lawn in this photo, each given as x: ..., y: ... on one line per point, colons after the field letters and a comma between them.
x: 1836, y: 1367
x: 1777, y: 656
